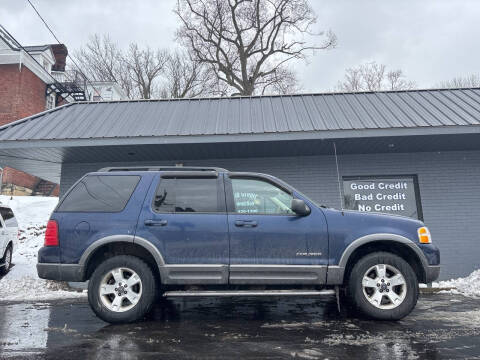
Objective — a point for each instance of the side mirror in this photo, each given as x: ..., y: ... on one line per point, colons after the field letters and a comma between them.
x: 299, y: 207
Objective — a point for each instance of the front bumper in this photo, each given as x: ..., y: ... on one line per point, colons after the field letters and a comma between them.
x: 61, y: 272
x: 432, y: 273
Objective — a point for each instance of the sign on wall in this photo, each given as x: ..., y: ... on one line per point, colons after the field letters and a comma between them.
x: 387, y: 194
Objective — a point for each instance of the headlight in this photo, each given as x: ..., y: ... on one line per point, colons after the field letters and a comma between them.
x: 424, y: 235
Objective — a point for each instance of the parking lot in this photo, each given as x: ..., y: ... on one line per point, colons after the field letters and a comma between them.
x: 442, y: 326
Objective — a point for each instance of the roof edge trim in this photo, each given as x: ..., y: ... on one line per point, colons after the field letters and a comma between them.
x: 202, y: 139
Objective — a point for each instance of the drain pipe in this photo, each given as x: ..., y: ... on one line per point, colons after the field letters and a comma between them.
x: 1, y: 180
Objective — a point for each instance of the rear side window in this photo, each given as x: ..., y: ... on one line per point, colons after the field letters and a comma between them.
x: 8, y: 217
x: 100, y: 193
x: 188, y: 195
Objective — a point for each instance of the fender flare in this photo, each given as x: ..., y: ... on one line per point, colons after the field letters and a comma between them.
x: 119, y: 239
x: 336, y: 272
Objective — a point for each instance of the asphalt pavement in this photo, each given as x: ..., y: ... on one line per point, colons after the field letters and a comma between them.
x: 442, y: 326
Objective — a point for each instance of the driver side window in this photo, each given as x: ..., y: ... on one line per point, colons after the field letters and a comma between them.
x: 252, y: 196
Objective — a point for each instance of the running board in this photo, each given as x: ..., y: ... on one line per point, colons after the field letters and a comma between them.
x: 250, y: 293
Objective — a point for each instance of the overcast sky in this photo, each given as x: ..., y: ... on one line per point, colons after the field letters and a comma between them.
x: 430, y: 41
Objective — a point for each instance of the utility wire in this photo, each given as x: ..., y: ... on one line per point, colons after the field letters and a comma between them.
x: 58, y: 41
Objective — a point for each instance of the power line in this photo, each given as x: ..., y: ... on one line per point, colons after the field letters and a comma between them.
x: 58, y: 41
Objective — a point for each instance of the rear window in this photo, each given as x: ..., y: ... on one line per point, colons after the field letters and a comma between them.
x: 100, y: 193
x: 188, y: 195
x: 8, y: 217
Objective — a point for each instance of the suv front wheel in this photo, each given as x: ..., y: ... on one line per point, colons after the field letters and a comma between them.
x: 122, y: 289
x: 383, y: 286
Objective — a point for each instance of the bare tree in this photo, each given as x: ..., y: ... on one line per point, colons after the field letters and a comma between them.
x: 373, y: 77
x: 396, y: 81
x: 101, y: 60
x: 353, y: 80
x: 249, y: 43
x: 468, y: 81
x: 185, y: 78
x: 283, y: 81
x: 137, y: 70
x: 145, y: 67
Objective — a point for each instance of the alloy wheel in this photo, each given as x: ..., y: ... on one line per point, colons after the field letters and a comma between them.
x: 120, y: 289
x: 384, y: 286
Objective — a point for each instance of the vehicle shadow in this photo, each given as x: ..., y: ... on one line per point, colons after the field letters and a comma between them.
x: 245, y: 308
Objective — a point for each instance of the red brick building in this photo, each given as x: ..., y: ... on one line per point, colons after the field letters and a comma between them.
x: 22, y: 93
x: 27, y: 87
x: 34, y: 79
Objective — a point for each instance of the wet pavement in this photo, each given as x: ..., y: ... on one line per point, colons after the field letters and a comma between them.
x: 441, y: 327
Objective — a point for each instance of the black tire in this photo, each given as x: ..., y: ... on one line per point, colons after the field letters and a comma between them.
x: 8, y: 253
x: 147, y: 298
x: 358, y: 298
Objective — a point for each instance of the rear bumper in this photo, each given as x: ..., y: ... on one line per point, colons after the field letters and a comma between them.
x: 61, y: 272
x: 432, y: 273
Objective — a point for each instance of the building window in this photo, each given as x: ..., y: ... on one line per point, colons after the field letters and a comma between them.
x: 397, y: 195
x: 50, y: 101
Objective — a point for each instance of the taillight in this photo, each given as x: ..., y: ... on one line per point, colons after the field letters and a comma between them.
x: 51, y: 234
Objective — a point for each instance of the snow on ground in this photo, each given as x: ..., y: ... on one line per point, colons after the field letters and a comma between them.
x: 22, y: 282
x: 468, y: 286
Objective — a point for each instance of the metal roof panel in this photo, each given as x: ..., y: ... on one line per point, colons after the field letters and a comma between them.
x: 251, y: 115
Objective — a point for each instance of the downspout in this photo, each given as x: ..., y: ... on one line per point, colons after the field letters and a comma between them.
x: 20, y: 61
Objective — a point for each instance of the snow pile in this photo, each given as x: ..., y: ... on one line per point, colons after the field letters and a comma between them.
x: 22, y: 282
x: 468, y: 286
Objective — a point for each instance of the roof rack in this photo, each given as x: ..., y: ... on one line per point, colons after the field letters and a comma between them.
x: 162, y: 168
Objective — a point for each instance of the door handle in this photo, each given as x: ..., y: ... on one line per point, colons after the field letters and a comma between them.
x: 246, y: 223
x: 151, y: 222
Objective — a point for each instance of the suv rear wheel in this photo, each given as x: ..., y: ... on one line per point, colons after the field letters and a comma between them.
x: 383, y: 286
x: 122, y: 289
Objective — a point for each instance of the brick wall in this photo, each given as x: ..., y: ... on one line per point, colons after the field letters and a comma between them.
x: 16, y: 182
x: 56, y: 191
x: 448, y: 181
x: 17, y: 177
x: 22, y: 93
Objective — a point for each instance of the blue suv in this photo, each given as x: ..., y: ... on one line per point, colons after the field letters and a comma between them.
x: 138, y: 233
